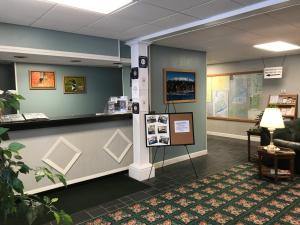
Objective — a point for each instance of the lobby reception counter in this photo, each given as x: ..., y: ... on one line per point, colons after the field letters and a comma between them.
x: 82, y: 148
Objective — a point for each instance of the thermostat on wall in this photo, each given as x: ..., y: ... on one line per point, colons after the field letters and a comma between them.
x: 273, y: 72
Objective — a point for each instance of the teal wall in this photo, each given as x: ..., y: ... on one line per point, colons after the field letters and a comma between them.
x: 101, y: 84
x: 126, y: 81
x: 165, y: 57
x: 125, y: 50
x: 22, y: 36
x: 7, y: 77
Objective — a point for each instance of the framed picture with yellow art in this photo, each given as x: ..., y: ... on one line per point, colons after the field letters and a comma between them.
x: 42, y: 80
x: 74, y: 85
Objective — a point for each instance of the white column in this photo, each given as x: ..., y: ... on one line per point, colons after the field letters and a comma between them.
x: 140, y: 169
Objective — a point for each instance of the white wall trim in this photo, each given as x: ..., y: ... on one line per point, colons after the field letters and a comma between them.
x: 235, y: 136
x: 78, y: 180
x: 181, y: 158
x: 46, y: 52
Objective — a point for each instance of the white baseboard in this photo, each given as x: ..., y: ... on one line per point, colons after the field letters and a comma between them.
x: 235, y: 136
x: 180, y: 158
x: 78, y: 180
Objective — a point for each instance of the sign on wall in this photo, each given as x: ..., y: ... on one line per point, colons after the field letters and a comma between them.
x: 273, y: 72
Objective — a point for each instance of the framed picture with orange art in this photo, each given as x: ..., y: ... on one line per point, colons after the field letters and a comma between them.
x: 42, y: 80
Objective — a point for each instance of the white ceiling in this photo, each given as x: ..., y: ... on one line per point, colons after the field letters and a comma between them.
x: 233, y: 41
x: 138, y: 19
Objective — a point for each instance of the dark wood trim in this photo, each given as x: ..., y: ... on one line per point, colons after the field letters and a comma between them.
x: 231, y: 119
x: 237, y: 73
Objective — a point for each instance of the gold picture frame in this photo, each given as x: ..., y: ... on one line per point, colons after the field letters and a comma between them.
x: 42, y: 80
x: 74, y: 84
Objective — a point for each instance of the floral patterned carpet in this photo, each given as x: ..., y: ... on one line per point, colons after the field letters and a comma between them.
x: 235, y: 196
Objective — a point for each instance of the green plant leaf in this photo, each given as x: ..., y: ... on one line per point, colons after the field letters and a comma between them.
x: 62, y: 179
x: 24, y: 169
x: 53, y: 200
x: 18, y: 185
x: 18, y: 157
x: 57, y: 217
x: 15, y: 147
x: 14, y: 103
x: 3, y: 130
x: 67, y: 219
x: 8, y: 154
x: 20, y: 97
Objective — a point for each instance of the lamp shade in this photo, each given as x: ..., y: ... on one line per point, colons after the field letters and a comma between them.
x: 272, y: 119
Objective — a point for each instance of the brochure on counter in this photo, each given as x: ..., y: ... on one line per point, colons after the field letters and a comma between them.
x: 22, y: 117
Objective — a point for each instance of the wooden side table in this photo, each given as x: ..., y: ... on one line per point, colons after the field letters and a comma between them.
x: 284, y: 153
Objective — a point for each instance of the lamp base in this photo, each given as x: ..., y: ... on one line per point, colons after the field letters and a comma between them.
x: 272, y: 148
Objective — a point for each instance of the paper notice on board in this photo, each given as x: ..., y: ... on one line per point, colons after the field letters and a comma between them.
x: 182, y: 126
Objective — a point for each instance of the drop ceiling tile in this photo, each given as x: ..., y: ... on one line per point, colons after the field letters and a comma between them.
x: 22, y: 12
x: 176, y: 5
x: 247, y: 2
x: 66, y: 19
x: 115, y: 23
x: 291, y: 16
x: 143, y: 12
x: 212, y: 8
x: 139, y: 31
x: 265, y: 26
x: 174, y: 20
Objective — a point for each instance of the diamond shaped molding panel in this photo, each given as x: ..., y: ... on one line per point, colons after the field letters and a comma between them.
x: 118, y: 134
x: 56, y: 165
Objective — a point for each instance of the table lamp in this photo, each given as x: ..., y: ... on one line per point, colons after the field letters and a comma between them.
x: 272, y: 119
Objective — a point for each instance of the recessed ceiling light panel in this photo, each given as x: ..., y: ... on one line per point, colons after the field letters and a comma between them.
x: 277, y: 46
x: 100, y: 6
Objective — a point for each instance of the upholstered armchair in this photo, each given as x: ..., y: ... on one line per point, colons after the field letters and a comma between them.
x: 288, y: 137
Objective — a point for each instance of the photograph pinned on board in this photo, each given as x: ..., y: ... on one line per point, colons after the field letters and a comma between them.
x: 163, y: 119
x: 152, y: 141
x: 42, y: 80
x: 74, y: 85
x: 151, y: 119
x: 162, y: 129
x: 179, y: 86
x: 151, y: 129
x: 164, y: 140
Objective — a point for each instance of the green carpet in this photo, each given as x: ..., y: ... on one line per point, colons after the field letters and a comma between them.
x: 235, y: 196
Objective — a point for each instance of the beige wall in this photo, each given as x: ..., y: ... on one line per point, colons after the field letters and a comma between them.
x: 290, y: 82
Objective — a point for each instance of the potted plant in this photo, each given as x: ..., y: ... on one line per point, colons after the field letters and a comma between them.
x: 13, y: 200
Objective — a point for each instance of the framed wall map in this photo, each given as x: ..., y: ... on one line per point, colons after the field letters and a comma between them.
x: 42, y: 80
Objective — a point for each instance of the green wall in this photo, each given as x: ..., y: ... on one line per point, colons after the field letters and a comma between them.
x: 165, y: 57
x: 126, y: 81
x: 101, y: 84
x: 29, y: 37
x: 7, y: 78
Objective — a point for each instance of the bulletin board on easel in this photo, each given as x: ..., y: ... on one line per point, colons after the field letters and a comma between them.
x: 169, y: 129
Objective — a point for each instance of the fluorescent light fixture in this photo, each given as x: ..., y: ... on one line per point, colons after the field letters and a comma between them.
x: 100, y: 6
x: 277, y: 46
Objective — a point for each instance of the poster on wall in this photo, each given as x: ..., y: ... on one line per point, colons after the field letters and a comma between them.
x: 179, y: 86
x: 169, y: 129
x: 220, y: 103
x: 42, y: 80
x: 74, y: 85
x: 157, y: 130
